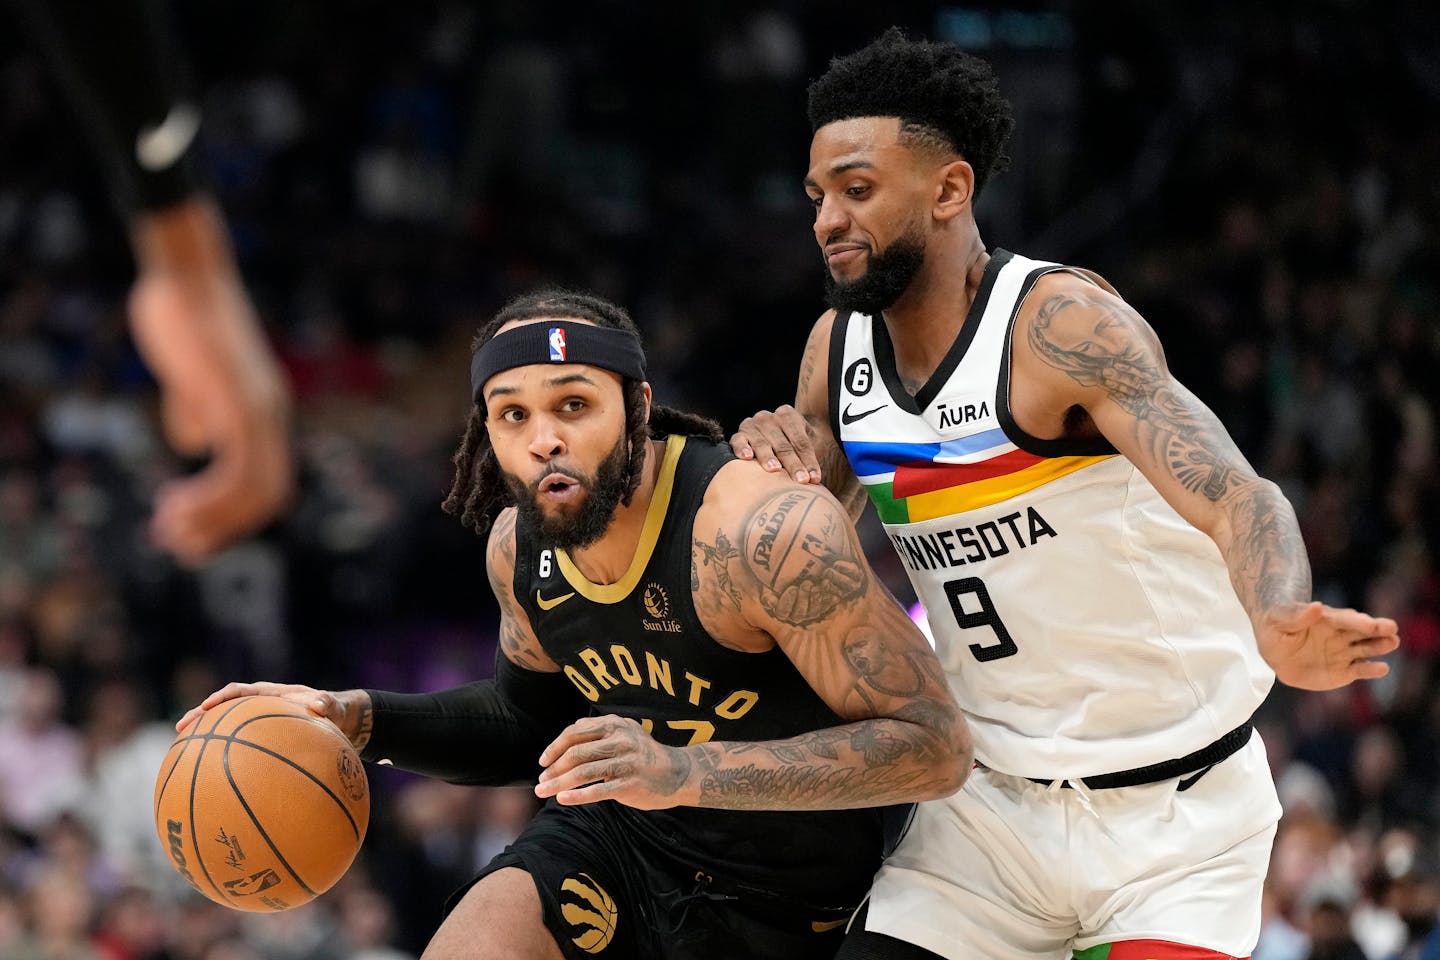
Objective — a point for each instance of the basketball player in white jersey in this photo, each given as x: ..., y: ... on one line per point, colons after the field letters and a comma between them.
x: 1111, y: 587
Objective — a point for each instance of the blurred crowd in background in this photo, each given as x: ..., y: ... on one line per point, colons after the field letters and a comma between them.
x: 1259, y: 182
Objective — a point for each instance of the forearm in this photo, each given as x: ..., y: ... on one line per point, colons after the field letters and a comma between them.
x: 1264, y: 550
x: 865, y: 764
x: 838, y: 476
x: 189, y: 239
x: 464, y: 735
x: 488, y: 732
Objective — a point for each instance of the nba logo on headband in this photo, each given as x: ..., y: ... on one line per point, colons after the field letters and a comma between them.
x: 557, y: 345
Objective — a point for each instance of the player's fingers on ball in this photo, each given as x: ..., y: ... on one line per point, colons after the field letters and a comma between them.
x: 230, y: 691
x: 322, y: 702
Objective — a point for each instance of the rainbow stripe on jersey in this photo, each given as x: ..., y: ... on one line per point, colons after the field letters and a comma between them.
x: 913, y: 482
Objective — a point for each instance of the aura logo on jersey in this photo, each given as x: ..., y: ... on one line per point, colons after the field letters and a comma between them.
x: 590, y: 911
x: 959, y: 414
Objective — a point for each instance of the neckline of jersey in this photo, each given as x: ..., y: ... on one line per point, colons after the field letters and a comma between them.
x: 885, y: 350
x: 649, y: 536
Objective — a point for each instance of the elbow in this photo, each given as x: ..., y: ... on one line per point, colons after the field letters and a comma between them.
x: 953, y: 759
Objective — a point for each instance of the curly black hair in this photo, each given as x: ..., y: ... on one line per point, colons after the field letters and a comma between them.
x: 479, y: 492
x: 942, y: 95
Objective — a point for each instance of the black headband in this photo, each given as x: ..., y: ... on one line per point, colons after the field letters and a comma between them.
x: 557, y: 341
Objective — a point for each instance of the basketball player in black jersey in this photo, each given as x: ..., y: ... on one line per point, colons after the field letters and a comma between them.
x: 722, y: 696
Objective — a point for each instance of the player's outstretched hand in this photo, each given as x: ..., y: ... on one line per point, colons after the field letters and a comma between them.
x: 612, y: 758
x: 779, y: 440
x: 347, y: 709
x: 1316, y: 647
x: 222, y: 392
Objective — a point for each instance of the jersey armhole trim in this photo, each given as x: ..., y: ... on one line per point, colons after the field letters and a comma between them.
x: 836, y: 361
x: 520, y: 581
x: 1058, y: 447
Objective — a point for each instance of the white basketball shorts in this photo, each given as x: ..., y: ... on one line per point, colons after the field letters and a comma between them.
x: 1010, y: 869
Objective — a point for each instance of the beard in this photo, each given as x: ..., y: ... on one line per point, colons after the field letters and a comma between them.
x: 588, y: 523
x: 887, y: 276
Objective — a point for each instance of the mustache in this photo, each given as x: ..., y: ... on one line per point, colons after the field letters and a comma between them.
x: 548, y: 471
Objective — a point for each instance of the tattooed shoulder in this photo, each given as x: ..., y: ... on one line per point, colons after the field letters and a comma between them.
x: 501, y: 545
x: 800, y: 549
x: 516, y: 641
x: 1098, y: 340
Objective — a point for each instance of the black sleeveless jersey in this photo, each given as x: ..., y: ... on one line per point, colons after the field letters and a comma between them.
x: 636, y: 649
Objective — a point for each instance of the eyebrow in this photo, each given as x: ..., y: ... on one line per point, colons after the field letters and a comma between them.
x: 844, y: 167
x: 547, y: 382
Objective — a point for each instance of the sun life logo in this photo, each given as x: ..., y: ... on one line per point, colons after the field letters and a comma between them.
x: 657, y: 607
x: 657, y: 604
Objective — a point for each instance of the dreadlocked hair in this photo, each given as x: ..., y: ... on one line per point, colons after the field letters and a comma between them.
x: 943, y: 96
x: 479, y: 491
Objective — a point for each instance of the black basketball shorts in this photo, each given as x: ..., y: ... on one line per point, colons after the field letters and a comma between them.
x: 606, y: 898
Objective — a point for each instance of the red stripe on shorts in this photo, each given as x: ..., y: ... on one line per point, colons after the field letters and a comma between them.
x: 1163, y: 950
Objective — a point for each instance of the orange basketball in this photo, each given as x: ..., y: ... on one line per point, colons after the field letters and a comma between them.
x: 261, y: 804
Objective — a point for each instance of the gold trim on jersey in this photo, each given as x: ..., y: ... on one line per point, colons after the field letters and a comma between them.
x: 649, y: 536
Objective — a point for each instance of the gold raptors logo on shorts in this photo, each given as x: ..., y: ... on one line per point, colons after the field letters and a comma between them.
x: 589, y: 910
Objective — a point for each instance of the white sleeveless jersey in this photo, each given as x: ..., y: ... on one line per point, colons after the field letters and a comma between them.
x: 1086, y: 628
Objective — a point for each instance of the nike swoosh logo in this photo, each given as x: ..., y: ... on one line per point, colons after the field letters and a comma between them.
x: 158, y: 147
x: 847, y: 418
x: 1190, y: 781
x: 823, y: 926
x: 551, y: 604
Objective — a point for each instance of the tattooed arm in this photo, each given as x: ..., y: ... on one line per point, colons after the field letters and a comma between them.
x: 1079, y: 346
x: 785, y: 568
x: 799, y: 440
x: 518, y: 642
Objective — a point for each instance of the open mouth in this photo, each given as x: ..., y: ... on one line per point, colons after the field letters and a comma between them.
x: 558, y: 486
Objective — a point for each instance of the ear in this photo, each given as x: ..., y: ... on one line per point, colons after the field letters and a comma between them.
x: 954, y: 188
x: 646, y: 392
